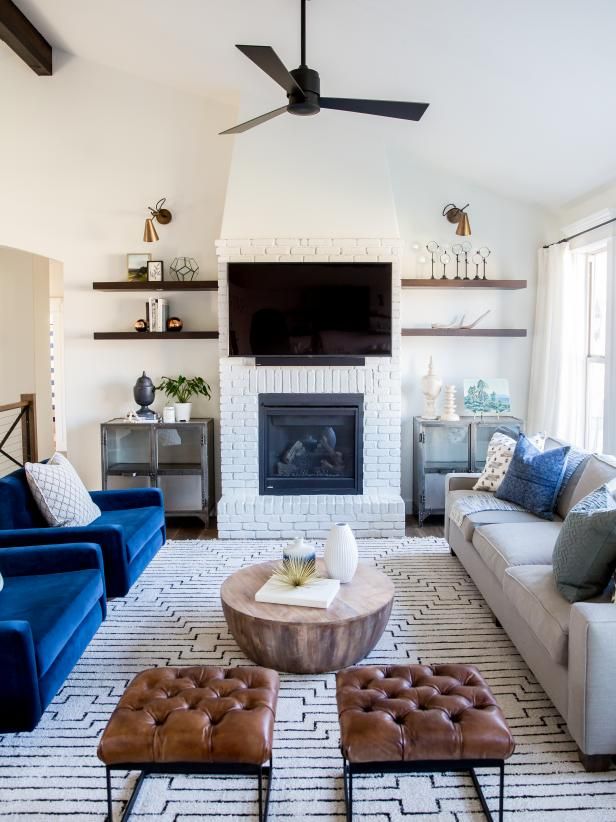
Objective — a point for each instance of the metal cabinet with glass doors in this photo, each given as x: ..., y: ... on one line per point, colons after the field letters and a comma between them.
x: 177, y: 457
x: 441, y: 448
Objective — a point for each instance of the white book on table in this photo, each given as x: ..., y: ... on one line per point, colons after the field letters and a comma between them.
x: 317, y: 594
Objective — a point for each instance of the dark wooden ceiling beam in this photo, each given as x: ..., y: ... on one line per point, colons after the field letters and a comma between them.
x: 26, y: 41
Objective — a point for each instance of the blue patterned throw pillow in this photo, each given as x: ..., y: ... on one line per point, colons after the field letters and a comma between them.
x: 585, y: 552
x: 534, y: 477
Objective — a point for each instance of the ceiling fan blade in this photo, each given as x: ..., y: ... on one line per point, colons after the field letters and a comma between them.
x: 268, y: 61
x: 384, y: 108
x: 256, y: 121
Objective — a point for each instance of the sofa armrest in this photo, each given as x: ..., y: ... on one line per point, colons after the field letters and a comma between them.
x: 128, y: 498
x: 20, y: 702
x: 456, y: 482
x: 460, y: 482
x: 50, y: 559
x: 592, y: 663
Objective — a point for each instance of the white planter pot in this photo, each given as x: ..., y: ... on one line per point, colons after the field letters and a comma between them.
x: 340, y: 555
x: 182, y: 411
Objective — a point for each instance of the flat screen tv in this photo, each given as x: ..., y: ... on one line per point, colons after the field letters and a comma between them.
x: 308, y: 310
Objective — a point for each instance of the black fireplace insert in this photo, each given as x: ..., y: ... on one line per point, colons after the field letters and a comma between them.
x: 311, y: 443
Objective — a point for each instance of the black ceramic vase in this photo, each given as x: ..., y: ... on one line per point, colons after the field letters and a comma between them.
x: 144, y: 393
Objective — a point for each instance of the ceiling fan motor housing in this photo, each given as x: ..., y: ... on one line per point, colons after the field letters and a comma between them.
x: 308, y: 103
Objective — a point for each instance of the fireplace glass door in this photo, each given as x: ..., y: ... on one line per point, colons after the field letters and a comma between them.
x: 309, y: 447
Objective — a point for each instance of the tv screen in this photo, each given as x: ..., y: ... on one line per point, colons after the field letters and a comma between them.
x: 310, y: 309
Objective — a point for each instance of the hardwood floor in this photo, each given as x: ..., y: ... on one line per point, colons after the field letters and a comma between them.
x: 193, y: 528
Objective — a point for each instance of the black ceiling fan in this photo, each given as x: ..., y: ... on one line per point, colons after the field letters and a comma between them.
x: 303, y: 89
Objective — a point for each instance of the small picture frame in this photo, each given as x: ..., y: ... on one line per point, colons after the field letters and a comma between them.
x: 155, y: 271
x: 137, y: 267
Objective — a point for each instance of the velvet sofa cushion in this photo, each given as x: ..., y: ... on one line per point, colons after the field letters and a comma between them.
x: 534, y: 477
x: 54, y: 605
x: 138, y: 526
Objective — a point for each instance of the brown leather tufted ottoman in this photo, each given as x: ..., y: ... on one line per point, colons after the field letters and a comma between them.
x: 201, y: 720
x: 420, y: 718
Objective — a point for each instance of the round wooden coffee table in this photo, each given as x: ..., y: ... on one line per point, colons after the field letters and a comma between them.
x: 307, y: 640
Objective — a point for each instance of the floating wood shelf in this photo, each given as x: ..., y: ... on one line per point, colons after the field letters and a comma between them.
x: 464, y: 332
x: 165, y: 285
x: 508, y: 285
x: 156, y: 335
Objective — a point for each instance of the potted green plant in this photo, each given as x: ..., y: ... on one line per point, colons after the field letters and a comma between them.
x: 182, y: 389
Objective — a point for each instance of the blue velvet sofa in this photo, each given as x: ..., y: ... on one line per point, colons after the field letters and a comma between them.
x: 52, y: 603
x: 130, y: 530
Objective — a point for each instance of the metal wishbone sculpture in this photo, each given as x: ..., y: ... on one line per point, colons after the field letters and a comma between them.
x: 455, y: 323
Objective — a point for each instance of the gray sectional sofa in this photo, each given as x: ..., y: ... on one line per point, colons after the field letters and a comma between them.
x: 571, y: 649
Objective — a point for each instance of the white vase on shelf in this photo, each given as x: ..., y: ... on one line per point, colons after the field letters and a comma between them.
x: 449, y: 405
x: 340, y: 555
x: 431, y: 387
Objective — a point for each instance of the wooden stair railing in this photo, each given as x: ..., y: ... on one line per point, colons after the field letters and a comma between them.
x: 25, y: 416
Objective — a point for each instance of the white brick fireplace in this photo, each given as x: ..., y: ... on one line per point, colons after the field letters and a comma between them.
x: 242, y: 511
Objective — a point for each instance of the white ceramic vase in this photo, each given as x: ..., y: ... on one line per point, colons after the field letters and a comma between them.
x: 182, y: 411
x: 340, y: 555
x: 449, y: 405
x: 431, y: 387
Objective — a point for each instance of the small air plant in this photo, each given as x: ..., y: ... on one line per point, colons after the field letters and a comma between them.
x: 296, y: 571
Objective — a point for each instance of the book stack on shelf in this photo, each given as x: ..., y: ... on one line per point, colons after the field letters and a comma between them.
x: 157, y: 313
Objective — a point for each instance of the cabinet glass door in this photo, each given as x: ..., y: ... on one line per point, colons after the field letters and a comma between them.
x: 446, y: 448
x: 179, y: 448
x: 483, y: 435
x: 128, y: 449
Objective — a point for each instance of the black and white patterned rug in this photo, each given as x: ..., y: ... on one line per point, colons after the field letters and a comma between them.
x: 172, y: 616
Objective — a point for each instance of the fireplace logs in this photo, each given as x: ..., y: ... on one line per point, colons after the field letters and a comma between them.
x: 312, y: 458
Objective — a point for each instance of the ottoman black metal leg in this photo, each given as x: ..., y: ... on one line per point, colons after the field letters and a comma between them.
x: 347, y: 781
x: 501, y: 793
x: 133, y: 798
x: 131, y: 801
x: 268, y: 772
x: 109, y: 802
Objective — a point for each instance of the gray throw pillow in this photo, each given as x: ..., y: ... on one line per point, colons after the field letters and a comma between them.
x: 61, y: 496
x: 585, y: 552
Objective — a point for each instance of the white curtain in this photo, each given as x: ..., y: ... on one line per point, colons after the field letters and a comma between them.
x: 557, y: 380
x: 609, y: 417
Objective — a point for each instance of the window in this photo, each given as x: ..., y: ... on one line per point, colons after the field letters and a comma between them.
x: 596, y: 274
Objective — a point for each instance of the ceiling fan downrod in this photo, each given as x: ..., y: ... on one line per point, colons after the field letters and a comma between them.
x: 303, y: 33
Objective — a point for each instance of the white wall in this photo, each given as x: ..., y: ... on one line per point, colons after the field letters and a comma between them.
x: 513, y: 231
x: 83, y: 153
x: 351, y: 176
x: 25, y: 366
x: 309, y: 177
x: 593, y: 202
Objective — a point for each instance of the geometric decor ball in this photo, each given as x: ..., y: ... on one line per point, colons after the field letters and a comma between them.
x: 184, y: 268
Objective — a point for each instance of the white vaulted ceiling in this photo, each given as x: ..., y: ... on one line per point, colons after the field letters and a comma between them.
x: 521, y: 93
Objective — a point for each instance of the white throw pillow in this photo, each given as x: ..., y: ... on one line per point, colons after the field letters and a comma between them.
x: 500, y: 452
x: 61, y: 496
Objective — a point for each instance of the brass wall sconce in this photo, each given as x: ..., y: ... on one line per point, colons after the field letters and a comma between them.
x: 161, y: 215
x: 459, y: 216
